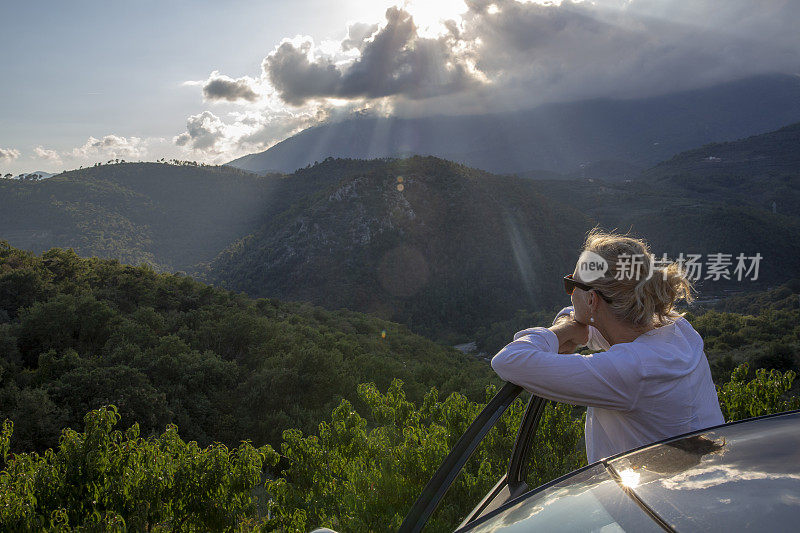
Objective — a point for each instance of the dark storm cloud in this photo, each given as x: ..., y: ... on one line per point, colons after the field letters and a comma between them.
x: 396, y: 61
x: 537, y: 52
x: 528, y: 53
x: 296, y: 78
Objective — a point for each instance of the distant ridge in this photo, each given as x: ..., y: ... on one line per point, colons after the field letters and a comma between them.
x: 169, y: 216
x: 762, y: 171
x: 436, y: 245
x: 554, y: 137
x: 773, y: 152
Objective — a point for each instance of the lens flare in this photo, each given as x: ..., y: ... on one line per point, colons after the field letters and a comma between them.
x: 629, y: 478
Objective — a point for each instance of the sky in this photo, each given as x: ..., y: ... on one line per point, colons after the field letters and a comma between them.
x: 88, y: 81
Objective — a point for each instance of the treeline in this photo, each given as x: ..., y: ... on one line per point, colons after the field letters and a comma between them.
x: 358, y: 472
x: 76, y: 334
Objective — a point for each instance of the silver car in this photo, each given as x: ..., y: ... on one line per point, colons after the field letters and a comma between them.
x: 734, y: 477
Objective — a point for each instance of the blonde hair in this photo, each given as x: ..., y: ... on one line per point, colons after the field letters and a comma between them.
x: 644, y: 295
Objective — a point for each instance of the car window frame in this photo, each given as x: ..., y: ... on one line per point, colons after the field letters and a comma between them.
x: 514, y: 479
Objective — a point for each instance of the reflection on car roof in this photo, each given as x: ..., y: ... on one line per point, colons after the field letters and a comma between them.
x: 742, y: 476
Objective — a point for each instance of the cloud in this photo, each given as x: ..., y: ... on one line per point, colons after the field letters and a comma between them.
x: 47, y: 155
x: 497, y: 55
x: 97, y: 150
x: 507, y: 53
x: 112, y: 146
x: 537, y: 53
x: 296, y: 78
x: 214, y: 139
x: 8, y: 154
x: 357, y: 35
x: 393, y: 61
x: 203, y: 131
x: 221, y: 87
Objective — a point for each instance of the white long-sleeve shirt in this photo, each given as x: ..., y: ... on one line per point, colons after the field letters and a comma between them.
x: 638, y: 392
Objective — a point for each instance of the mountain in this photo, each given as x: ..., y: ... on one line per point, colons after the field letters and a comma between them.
x: 758, y: 171
x: 675, y: 223
x: 36, y: 175
x: 734, y: 197
x: 448, y: 249
x: 167, y: 215
x: 436, y: 245
x: 423, y: 241
x: 554, y: 137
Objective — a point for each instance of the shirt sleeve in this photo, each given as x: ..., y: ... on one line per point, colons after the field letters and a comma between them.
x: 564, y: 312
x: 610, y: 379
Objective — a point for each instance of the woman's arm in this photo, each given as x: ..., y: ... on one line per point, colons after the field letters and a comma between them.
x: 570, y: 333
x: 595, y: 340
x: 610, y: 379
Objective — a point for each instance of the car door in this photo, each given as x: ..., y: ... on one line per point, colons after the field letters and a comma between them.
x: 511, y: 485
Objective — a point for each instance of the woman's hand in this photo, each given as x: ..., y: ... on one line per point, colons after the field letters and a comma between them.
x: 570, y: 333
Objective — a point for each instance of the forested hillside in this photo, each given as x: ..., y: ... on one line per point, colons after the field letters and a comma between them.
x: 76, y: 334
x: 758, y: 171
x: 80, y: 334
x: 360, y: 471
x: 440, y: 247
x: 170, y: 216
x: 422, y: 241
x: 674, y: 222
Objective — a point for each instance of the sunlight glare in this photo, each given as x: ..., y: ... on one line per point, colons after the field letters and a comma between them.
x: 337, y: 102
x: 429, y: 16
x: 629, y: 478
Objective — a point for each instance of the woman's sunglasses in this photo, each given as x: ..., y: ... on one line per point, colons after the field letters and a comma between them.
x: 570, y: 283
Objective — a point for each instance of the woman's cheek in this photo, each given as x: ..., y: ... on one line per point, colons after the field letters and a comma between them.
x: 580, y: 311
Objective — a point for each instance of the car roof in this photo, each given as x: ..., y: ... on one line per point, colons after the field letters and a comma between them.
x: 743, y: 475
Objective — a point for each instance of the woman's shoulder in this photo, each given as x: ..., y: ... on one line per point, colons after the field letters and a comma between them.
x: 671, y: 350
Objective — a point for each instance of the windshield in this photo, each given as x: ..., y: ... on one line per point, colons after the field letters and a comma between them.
x: 588, y: 501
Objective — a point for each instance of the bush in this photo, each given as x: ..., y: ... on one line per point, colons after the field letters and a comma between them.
x: 359, y: 473
x: 105, y: 479
x: 766, y: 394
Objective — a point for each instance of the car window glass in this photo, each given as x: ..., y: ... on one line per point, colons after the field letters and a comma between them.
x: 589, y: 501
x: 481, y: 472
x: 558, y: 446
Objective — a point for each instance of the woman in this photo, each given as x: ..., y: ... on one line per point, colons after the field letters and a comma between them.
x: 652, y: 379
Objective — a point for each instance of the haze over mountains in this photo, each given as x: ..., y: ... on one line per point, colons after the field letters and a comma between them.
x: 171, y: 217
x: 423, y: 241
x: 439, y: 246
x: 554, y: 137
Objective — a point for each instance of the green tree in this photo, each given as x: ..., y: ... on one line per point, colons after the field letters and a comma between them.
x: 104, y: 479
x: 763, y: 395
